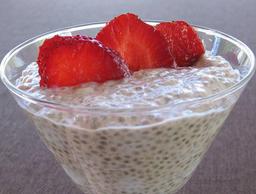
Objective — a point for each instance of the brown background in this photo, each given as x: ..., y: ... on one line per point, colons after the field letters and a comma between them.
x: 26, y: 166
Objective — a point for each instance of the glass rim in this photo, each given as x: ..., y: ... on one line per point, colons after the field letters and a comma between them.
x: 64, y: 106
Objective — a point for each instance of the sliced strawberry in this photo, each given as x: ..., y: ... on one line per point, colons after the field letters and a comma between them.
x: 138, y: 43
x: 184, y: 43
x: 72, y: 60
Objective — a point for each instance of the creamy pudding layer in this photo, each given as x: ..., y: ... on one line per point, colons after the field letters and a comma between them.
x: 153, y: 88
x: 139, y: 152
x: 146, y: 88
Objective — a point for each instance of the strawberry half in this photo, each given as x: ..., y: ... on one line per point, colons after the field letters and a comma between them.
x: 73, y: 60
x: 140, y: 45
x: 184, y: 43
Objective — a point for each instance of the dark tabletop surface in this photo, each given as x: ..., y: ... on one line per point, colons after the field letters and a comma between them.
x: 27, y: 167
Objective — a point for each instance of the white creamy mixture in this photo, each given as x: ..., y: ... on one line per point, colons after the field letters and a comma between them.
x: 146, y: 88
x: 139, y: 152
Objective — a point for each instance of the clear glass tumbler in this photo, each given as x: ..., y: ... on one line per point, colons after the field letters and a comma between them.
x: 133, y: 151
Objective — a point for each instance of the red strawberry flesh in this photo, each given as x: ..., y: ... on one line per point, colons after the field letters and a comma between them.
x: 184, y: 43
x: 73, y: 60
x: 140, y: 45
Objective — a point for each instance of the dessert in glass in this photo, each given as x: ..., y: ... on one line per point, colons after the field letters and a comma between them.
x: 143, y: 133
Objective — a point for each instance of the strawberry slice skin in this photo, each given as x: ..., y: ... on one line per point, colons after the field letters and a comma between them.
x: 184, y: 43
x: 73, y: 60
x: 140, y: 45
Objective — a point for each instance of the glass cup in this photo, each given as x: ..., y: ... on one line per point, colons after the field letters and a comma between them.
x: 131, y: 151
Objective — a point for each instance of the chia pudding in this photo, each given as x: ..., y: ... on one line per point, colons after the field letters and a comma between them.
x: 138, y: 135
